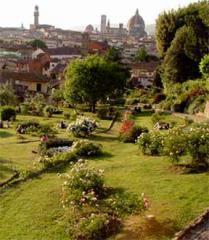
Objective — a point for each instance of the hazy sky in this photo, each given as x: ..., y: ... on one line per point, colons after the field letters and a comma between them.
x: 72, y: 13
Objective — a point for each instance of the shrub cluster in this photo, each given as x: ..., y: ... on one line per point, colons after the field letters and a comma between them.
x: 82, y: 127
x: 85, y: 148
x: 50, y: 156
x: 106, y: 113
x: 93, y: 207
x: 129, y: 132
x: 7, y: 113
x: 35, y: 128
x: 192, y: 140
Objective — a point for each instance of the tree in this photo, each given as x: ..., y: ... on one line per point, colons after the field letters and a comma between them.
x: 93, y: 79
x: 113, y: 54
x: 38, y: 44
x: 142, y: 55
x: 182, y: 40
x: 7, y: 96
x: 204, y: 66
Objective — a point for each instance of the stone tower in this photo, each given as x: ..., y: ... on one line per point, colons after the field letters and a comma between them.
x: 103, y: 23
x: 36, y: 16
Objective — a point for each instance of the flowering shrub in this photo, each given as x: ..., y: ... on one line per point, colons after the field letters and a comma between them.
x: 175, y: 144
x: 198, y: 145
x: 82, y: 127
x: 35, y: 128
x: 84, y: 185
x: 61, y: 158
x: 192, y: 140
x: 152, y: 143
x: 85, y: 148
x: 96, y: 208
x: 95, y: 226
x: 129, y: 132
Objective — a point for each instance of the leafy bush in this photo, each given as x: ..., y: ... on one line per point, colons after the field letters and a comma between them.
x: 151, y: 143
x: 175, y: 144
x: 157, y: 117
x: 35, y: 128
x: 106, y: 113
x: 82, y: 127
x: 96, y: 208
x: 48, y: 111
x: 84, y: 148
x: 8, y: 113
x: 129, y: 132
x: 57, y: 159
x: 132, y: 101
x: 67, y: 115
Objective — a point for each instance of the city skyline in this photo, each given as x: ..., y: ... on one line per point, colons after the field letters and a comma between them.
x: 81, y: 13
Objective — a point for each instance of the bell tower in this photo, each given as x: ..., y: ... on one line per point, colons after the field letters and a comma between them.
x: 36, y: 16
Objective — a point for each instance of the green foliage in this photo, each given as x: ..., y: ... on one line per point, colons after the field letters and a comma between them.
x: 182, y: 41
x: 142, y: 55
x: 58, y: 159
x: 7, y: 96
x: 7, y: 113
x: 113, y: 55
x: 189, y: 97
x: 157, y: 117
x: 204, y: 66
x: 93, y: 79
x: 97, y: 207
x: 82, y: 127
x: 57, y: 96
x: 35, y: 128
x: 37, y: 43
x: 106, y: 113
x: 48, y: 111
x: 129, y: 132
x: 151, y: 143
x: 85, y: 148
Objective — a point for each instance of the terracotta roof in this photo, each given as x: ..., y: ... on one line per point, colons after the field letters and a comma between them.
x: 59, y: 68
x: 150, y: 66
x: 23, y: 76
x: 64, y: 51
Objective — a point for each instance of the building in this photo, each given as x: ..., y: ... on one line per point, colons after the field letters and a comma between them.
x: 103, y: 23
x: 136, y: 26
x: 142, y: 74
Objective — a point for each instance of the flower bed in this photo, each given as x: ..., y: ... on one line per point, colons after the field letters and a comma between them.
x: 82, y: 127
x: 93, y: 210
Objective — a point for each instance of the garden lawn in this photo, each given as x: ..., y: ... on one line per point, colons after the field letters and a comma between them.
x: 33, y: 210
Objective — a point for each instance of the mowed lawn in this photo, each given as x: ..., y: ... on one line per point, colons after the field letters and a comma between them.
x: 32, y: 210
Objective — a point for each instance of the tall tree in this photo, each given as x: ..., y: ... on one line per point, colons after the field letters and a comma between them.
x: 182, y: 41
x: 93, y: 79
x: 7, y: 96
x: 142, y: 55
x: 37, y: 43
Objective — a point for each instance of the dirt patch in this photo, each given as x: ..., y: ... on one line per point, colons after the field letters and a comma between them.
x: 145, y: 228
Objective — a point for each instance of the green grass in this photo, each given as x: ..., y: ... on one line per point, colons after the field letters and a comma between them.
x: 33, y: 210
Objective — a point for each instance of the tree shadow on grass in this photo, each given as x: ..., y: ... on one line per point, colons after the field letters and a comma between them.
x: 4, y: 134
x: 5, y: 168
x: 103, y: 138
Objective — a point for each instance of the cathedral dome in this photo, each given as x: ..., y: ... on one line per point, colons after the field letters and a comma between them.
x: 89, y: 28
x: 136, y: 25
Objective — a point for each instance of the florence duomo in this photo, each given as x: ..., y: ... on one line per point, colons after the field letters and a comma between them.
x: 135, y: 27
x: 104, y: 120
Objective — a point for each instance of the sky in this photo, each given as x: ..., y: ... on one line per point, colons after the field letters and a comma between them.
x: 70, y: 14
